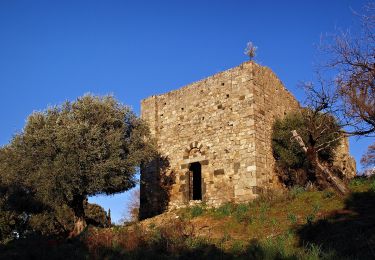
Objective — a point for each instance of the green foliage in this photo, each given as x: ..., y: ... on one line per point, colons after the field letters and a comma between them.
x: 312, y: 216
x: 335, y: 234
x: 96, y: 215
x: 295, y: 191
x: 291, y: 160
x: 328, y: 193
x: 237, y: 247
x: 292, y: 218
x: 360, y: 184
x: 223, y: 211
x: 192, y: 212
x: 56, y: 222
x: 288, y: 153
x: 372, y: 186
x: 7, y: 223
x: 15, y: 208
x: 357, y: 182
x: 240, y: 212
x: 196, y: 211
x: 66, y: 153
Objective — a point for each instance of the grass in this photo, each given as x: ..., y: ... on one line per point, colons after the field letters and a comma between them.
x: 196, y: 211
x: 296, y: 225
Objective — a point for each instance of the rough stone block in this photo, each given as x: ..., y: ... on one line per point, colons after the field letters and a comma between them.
x: 214, y: 129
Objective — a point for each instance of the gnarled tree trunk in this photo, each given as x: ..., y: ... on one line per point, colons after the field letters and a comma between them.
x: 322, y: 173
x: 79, y: 215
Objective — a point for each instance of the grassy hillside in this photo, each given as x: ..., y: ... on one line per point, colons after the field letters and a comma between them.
x: 298, y: 224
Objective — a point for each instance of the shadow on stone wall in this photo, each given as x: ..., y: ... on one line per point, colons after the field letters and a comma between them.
x: 156, y: 184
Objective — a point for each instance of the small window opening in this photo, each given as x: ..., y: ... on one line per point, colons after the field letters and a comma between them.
x: 195, y: 181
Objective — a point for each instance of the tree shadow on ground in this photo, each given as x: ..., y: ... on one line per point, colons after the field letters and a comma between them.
x: 40, y: 248
x: 346, y: 233
x: 254, y: 250
x: 43, y: 247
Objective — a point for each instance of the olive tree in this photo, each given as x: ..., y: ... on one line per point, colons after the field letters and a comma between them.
x: 69, y: 152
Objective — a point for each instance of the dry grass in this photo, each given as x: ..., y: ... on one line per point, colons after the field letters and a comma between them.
x: 295, y: 225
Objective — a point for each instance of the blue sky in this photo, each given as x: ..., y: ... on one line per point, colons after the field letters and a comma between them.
x: 52, y: 51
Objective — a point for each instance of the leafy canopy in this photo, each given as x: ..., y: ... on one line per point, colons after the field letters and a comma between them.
x: 87, y: 147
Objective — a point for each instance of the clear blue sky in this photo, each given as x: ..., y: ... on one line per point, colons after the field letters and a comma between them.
x: 51, y: 51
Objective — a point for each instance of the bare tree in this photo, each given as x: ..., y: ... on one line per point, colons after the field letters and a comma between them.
x: 134, y: 203
x: 132, y: 207
x: 368, y: 159
x: 319, y: 134
x: 350, y: 57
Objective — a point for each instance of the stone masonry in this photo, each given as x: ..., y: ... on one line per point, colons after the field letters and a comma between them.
x: 214, y: 139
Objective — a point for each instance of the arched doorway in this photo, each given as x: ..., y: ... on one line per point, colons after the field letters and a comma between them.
x: 195, y: 188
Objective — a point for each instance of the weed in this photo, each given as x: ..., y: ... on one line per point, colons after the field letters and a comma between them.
x: 264, y: 207
x: 274, y: 249
x: 223, y: 211
x: 295, y: 191
x: 316, y: 208
x: 310, y: 218
x: 237, y: 247
x: 289, y: 234
x: 327, y: 194
x: 313, y: 252
x: 271, y: 196
x: 292, y: 218
x: 151, y: 226
x: 196, y: 211
x: 274, y: 222
x: 196, y: 242
x: 359, y: 181
x: 240, y: 212
x: 226, y: 237
x: 372, y: 186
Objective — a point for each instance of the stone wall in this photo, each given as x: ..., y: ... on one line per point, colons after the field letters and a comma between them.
x: 343, y: 161
x: 224, y: 123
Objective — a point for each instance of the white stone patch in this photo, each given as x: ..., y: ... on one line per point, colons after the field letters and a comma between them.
x: 251, y: 168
